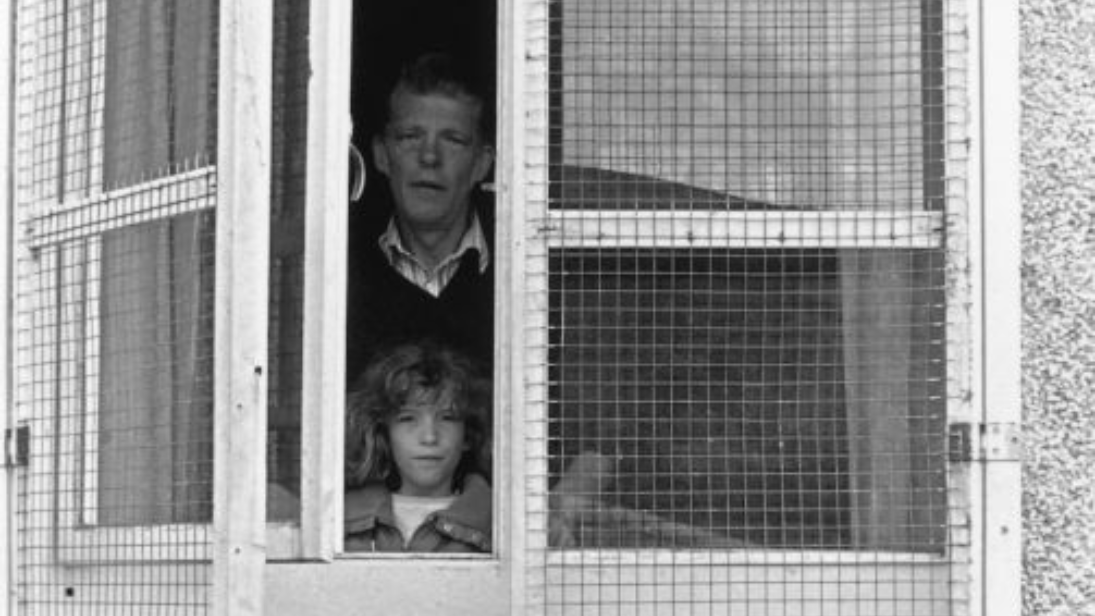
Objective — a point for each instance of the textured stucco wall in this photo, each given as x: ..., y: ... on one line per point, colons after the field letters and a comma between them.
x: 1058, y: 130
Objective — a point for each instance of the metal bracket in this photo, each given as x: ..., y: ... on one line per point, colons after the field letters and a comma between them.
x: 1001, y: 442
x: 995, y: 442
x: 17, y: 447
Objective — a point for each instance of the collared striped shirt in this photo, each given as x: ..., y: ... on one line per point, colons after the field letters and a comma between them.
x: 433, y: 280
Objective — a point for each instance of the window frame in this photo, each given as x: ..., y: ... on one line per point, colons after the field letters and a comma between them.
x: 486, y: 581
x: 995, y: 234
x: 80, y: 540
x: 77, y: 539
x: 992, y: 363
x: 991, y: 60
x: 8, y: 554
x: 322, y: 399
x: 329, y: 131
x: 241, y: 354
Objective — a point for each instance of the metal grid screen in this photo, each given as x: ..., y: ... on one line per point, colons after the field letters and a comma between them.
x: 287, y: 192
x: 113, y: 301
x: 749, y: 345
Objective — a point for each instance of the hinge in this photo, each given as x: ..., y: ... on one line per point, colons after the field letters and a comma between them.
x: 959, y: 443
x: 995, y: 442
x: 17, y: 446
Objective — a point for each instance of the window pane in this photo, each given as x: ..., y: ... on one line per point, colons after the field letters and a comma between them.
x: 833, y: 105
x: 113, y: 301
x: 155, y: 419
x: 703, y: 395
x: 713, y: 383
x: 737, y: 397
x: 287, y: 192
x: 160, y: 110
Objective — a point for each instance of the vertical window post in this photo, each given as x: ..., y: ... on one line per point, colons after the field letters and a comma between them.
x: 325, y: 278
x: 7, y: 418
x: 998, y: 256
x: 243, y: 245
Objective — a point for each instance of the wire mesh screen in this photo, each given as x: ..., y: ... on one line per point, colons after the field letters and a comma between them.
x: 289, y: 139
x: 749, y: 343
x: 709, y: 381
x: 114, y: 290
x: 63, y: 51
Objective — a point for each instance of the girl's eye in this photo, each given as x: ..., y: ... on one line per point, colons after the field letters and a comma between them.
x: 450, y: 416
x: 406, y: 137
x: 404, y: 418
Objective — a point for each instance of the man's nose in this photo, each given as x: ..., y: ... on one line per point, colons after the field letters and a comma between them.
x: 429, y: 153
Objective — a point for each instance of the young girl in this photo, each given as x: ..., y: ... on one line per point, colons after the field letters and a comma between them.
x: 418, y: 454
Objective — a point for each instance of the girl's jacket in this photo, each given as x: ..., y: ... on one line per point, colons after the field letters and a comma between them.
x: 464, y: 527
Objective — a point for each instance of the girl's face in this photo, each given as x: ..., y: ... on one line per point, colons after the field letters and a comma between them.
x: 427, y: 440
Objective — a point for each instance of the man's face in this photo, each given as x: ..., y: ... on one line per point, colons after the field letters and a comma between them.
x: 433, y: 155
x: 427, y: 440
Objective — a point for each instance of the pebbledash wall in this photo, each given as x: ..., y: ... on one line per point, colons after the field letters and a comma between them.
x: 1058, y: 281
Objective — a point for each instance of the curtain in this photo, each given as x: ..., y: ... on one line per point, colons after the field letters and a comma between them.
x: 155, y: 406
x: 160, y: 97
x: 156, y: 367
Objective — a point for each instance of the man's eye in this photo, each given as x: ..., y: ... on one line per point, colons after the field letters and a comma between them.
x: 458, y: 140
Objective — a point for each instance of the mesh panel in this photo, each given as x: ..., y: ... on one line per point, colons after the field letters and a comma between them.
x: 711, y: 381
x: 63, y: 51
x: 288, y: 174
x: 114, y: 304
x: 160, y: 98
x: 749, y: 341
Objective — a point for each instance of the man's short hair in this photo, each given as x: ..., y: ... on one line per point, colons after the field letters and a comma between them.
x: 443, y: 73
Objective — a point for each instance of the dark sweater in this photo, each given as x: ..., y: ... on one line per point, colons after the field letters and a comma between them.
x: 385, y: 309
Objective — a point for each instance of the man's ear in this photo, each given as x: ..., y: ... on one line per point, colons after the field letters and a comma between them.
x: 484, y: 161
x: 380, y: 154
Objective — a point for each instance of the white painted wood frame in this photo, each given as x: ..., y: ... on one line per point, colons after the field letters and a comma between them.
x: 323, y: 380
x: 996, y: 237
x: 244, y: 112
x: 524, y: 70
x: 7, y: 409
x: 747, y: 229
x: 518, y: 40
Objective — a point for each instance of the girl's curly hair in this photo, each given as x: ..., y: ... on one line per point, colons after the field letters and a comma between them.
x: 414, y: 371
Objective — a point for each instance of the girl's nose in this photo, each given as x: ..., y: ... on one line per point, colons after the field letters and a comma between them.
x: 429, y: 431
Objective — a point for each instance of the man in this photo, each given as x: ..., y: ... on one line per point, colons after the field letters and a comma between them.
x: 422, y: 268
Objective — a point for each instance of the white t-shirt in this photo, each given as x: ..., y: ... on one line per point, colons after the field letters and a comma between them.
x: 411, y: 511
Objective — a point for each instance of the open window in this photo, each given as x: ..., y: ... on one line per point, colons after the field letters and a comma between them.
x: 388, y: 306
